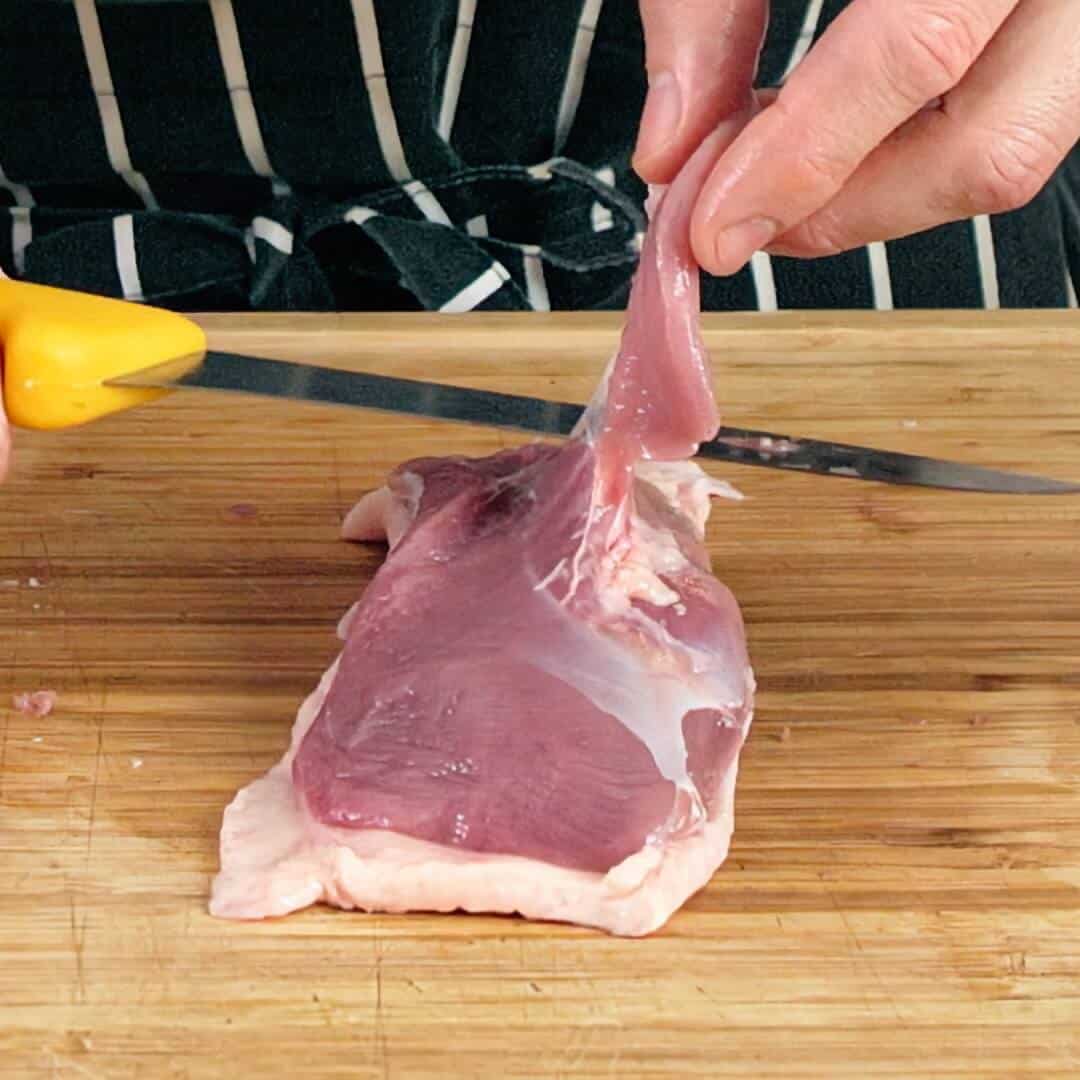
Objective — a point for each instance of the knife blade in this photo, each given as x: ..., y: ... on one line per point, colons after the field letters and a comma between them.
x: 232, y: 372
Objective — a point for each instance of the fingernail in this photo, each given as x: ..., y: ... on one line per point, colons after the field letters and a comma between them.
x: 661, y: 116
x: 733, y: 246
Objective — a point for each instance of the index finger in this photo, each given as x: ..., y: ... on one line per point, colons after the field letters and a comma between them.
x: 701, y: 56
x: 876, y: 66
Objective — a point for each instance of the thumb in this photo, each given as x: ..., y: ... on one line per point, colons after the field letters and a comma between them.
x: 701, y: 57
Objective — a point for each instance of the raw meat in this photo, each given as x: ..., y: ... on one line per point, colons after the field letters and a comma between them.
x: 543, y: 693
x: 39, y: 703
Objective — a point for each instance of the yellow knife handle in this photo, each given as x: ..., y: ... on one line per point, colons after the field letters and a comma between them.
x: 60, y: 348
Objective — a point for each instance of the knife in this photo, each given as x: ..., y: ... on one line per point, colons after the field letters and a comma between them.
x: 70, y: 357
x: 303, y: 382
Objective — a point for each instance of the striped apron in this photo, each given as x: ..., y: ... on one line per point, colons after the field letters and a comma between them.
x: 379, y: 154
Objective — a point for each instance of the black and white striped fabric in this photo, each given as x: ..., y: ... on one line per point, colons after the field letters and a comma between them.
x: 379, y: 154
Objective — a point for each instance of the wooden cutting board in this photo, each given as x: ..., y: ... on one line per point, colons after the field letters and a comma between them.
x: 903, y: 893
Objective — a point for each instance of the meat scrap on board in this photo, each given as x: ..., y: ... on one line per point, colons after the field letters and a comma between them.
x: 542, y: 694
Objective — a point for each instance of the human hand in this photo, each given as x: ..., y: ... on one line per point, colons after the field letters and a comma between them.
x: 905, y: 115
x: 5, y: 430
x: 5, y: 435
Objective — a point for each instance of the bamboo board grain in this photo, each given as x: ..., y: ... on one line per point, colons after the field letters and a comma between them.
x: 903, y: 893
